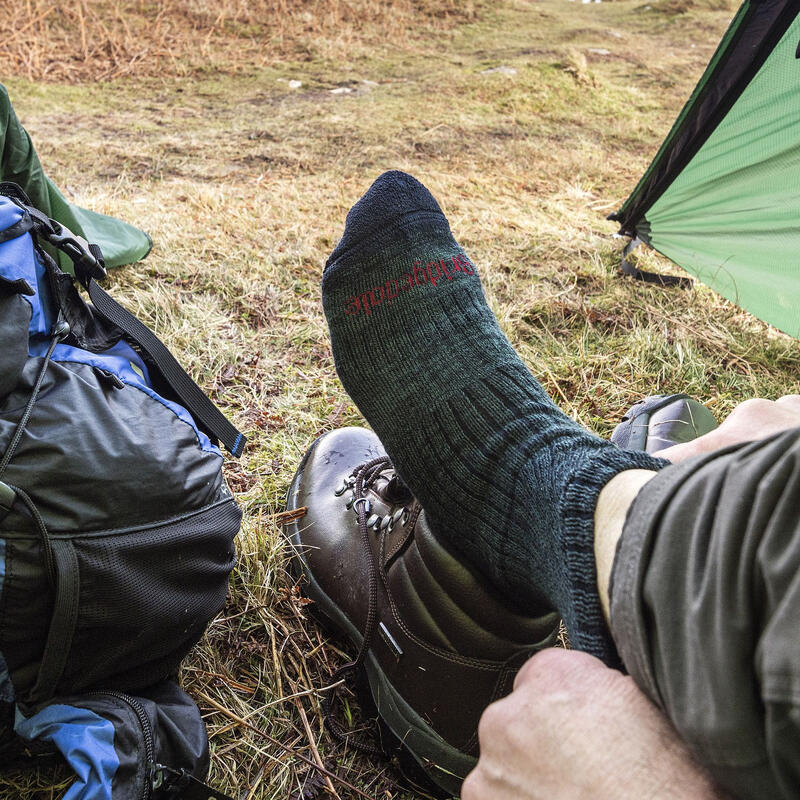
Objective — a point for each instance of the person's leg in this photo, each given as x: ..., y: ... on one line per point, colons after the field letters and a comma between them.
x: 513, y: 484
x: 613, y: 504
x: 752, y: 420
x: 570, y: 715
x: 503, y: 475
x: 705, y: 605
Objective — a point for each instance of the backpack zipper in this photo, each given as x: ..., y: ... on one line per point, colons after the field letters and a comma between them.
x: 154, y: 775
x: 159, y: 776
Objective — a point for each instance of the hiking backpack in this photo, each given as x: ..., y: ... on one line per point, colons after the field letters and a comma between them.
x: 116, y: 526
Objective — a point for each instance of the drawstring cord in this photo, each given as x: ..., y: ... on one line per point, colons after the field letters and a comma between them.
x: 59, y: 332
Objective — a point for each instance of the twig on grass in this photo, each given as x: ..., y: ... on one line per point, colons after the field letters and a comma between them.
x: 289, y: 516
x: 313, y: 744
x: 29, y: 24
x: 305, y: 693
x: 275, y: 742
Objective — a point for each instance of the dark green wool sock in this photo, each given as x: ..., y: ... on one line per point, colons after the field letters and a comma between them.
x: 506, y: 477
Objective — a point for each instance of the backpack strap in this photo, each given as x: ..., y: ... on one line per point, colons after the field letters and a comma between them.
x: 17, y: 229
x: 208, y: 416
x: 62, y: 623
x: 89, y: 268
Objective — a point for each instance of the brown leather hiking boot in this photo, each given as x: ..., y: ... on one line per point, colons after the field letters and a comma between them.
x: 436, y: 644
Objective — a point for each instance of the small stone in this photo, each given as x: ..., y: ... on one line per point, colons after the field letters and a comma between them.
x: 499, y: 71
x: 341, y: 90
x: 295, y: 84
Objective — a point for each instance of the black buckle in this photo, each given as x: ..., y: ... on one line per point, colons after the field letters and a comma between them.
x: 87, y: 258
x: 77, y: 250
x: 181, y: 784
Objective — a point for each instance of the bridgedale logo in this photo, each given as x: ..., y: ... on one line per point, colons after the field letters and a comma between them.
x: 421, y: 274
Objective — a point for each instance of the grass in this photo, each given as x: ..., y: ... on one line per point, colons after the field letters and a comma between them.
x: 244, y: 183
x: 103, y: 40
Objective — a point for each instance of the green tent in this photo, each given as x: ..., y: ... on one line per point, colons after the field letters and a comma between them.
x: 121, y: 243
x: 722, y: 196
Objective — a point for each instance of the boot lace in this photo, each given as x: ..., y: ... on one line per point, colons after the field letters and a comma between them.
x: 359, y: 483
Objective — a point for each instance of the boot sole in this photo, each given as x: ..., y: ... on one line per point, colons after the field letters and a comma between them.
x: 443, y: 764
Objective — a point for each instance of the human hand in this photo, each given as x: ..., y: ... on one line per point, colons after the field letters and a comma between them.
x: 750, y: 421
x: 574, y: 729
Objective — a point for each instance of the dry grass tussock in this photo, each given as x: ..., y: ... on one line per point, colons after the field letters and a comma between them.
x: 244, y: 184
x: 105, y: 39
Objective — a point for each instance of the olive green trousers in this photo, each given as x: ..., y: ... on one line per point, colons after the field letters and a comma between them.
x: 705, y: 609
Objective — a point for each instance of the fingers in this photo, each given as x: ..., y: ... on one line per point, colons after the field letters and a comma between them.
x: 558, y: 667
x: 790, y: 401
x: 754, y: 419
x: 761, y: 409
x: 573, y: 728
x: 473, y: 788
x: 479, y: 786
x: 752, y: 407
x: 750, y: 421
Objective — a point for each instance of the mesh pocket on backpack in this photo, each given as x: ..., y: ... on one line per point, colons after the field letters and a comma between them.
x: 146, y: 596
x: 142, y: 598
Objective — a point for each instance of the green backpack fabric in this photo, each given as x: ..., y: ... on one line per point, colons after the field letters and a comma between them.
x: 120, y: 242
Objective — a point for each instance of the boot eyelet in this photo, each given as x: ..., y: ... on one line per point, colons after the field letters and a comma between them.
x: 365, y: 501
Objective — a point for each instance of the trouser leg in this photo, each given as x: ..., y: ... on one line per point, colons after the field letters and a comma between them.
x: 705, y: 609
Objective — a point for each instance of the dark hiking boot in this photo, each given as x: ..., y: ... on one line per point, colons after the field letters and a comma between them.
x: 436, y: 644
x: 662, y: 420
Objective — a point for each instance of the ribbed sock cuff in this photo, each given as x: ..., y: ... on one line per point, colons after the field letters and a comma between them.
x: 585, y: 621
